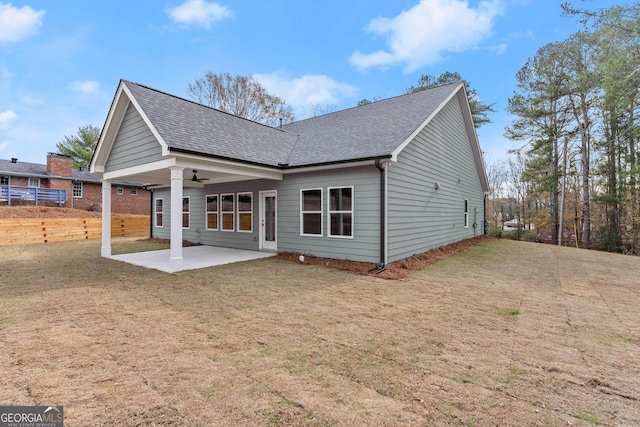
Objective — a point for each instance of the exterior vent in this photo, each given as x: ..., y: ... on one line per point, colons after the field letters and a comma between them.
x: 14, y: 160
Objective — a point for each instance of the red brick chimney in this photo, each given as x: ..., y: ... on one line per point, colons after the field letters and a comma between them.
x: 58, y: 164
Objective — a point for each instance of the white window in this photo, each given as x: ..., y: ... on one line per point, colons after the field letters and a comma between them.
x: 34, y: 182
x: 119, y: 190
x: 311, y: 212
x: 77, y: 190
x: 245, y: 212
x: 228, y: 212
x: 466, y: 213
x: 134, y: 191
x: 186, y: 216
x: 4, y: 180
x: 159, y: 214
x: 212, y: 211
x: 341, y: 212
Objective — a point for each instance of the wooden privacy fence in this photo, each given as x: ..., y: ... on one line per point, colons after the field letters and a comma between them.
x: 17, y: 231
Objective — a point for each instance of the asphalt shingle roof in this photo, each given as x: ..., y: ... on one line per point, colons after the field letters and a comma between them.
x: 37, y: 170
x: 369, y: 131
x: 23, y: 169
x: 189, y: 126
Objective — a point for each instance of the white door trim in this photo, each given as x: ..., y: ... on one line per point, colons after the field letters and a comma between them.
x: 265, y: 244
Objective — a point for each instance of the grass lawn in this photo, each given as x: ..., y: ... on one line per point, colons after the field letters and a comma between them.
x: 504, y: 333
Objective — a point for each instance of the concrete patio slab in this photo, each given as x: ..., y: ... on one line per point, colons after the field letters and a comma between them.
x: 193, y: 257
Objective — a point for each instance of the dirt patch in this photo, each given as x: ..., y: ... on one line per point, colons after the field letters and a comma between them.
x: 7, y: 212
x: 394, y: 271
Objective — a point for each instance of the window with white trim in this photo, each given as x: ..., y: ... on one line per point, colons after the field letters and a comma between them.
x: 4, y: 180
x: 34, y: 182
x: 311, y: 212
x: 340, y: 212
x: 77, y: 190
x: 134, y: 191
x: 211, y: 206
x: 466, y: 213
x: 228, y: 212
x: 159, y: 214
x: 186, y: 215
x: 245, y: 212
x: 119, y: 190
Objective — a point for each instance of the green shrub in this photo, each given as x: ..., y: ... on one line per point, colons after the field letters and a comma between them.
x: 607, y: 239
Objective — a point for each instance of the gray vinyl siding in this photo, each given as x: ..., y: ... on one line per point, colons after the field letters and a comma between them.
x: 419, y: 216
x: 134, y: 144
x: 198, y: 233
x: 364, y: 246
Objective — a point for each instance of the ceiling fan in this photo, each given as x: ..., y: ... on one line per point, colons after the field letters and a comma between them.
x: 195, y: 177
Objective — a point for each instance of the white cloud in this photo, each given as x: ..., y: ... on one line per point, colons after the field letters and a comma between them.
x: 32, y: 100
x: 89, y: 86
x: 5, y: 73
x: 302, y: 92
x: 199, y: 13
x: 17, y: 24
x: 499, y: 49
x: 7, y: 117
x: 419, y: 36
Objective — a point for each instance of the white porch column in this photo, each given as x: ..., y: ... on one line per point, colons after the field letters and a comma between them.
x: 175, y: 248
x: 105, y: 250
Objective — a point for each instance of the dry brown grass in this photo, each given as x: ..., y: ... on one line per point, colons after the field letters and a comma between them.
x: 504, y: 333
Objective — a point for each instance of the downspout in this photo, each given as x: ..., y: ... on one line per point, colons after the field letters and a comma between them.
x: 485, y: 224
x: 382, y: 167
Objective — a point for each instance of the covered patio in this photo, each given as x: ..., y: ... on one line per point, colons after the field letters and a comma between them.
x: 158, y: 149
x: 193, y: 257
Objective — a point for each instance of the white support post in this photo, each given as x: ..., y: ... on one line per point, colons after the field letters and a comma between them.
x: 105, y: 250
x: 175, y: 247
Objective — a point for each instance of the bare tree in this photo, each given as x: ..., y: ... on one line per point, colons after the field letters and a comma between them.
x: 316, y: 109
x: 242, y: 96
x: 496, y: 177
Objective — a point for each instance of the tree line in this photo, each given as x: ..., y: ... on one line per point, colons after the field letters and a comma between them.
x: 576, y: 169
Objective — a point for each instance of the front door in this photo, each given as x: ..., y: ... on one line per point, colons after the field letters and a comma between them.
x: 268, y: 221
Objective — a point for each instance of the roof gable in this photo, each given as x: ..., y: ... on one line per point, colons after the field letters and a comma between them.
x: 119, y: 106
x: 373, y: 130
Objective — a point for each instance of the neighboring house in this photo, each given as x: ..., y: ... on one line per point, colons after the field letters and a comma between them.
x: 375, y: 183
x: 513, y: 225
x: 58, y: 184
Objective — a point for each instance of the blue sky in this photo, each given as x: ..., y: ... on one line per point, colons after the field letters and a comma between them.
x: 60, y: 61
